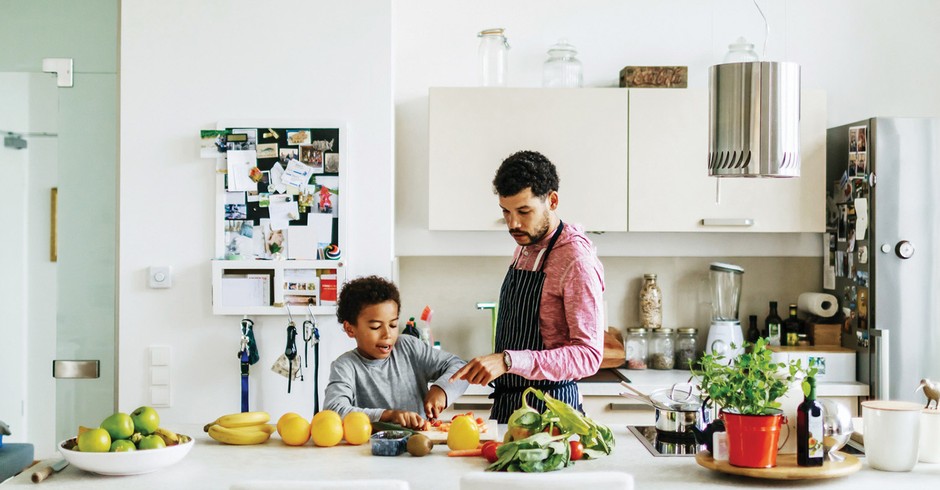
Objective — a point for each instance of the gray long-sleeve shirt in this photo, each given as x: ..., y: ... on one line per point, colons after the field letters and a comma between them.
x: 399, y: 382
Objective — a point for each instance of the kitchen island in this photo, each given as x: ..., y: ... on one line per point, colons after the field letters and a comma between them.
x: 211, y: 465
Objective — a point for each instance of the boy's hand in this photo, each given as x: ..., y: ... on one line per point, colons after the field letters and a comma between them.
x: 410, y: 420
x: 435, y: 402
x: 481, y: 370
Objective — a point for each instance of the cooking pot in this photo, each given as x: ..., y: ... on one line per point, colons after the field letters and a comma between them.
x: 678, y: 412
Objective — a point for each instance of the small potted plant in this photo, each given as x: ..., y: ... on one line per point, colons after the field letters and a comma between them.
x: 746, y: 389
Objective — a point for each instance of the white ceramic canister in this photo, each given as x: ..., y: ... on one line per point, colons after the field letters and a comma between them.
x: 930, y: 436
x: 891, y: 431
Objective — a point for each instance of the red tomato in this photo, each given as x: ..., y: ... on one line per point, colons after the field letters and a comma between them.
x: 577, y: 450
x: 489, y: 451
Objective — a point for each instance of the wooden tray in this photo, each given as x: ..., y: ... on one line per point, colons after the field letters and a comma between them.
x: 786, y: 468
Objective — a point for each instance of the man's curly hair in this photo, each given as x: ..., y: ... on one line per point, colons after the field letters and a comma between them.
x: 362, y: 292
x: 525, y: 169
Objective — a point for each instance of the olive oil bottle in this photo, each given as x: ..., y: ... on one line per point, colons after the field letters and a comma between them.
x: 809, y: 429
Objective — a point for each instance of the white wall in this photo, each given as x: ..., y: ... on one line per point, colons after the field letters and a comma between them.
x: 184, y: 66
x: 868, y: 55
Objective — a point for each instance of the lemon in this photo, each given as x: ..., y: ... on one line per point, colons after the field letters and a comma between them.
x: 294, y: 430
x: 357, y: 428
x: 463, y: 434
x: 326, y: 428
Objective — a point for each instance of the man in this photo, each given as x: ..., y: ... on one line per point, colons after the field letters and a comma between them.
x: 548, y: 331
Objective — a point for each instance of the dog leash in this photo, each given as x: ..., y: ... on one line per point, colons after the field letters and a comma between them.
x: 247, y: 355
x: 312, y: 333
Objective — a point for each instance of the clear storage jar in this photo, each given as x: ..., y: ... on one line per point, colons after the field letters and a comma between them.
x: 651, y: 303
x: 494, y: 57
x: 686, y: 347
x: 662, y: 354
x: 562, y: 68
x: 637, y: 348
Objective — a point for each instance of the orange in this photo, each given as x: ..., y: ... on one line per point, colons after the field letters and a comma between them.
x: 326, y: 428
x: 284, y: 418
x: 293, y: 429
x: 357, y: 428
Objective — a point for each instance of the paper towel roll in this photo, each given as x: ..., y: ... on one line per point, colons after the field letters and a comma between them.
x: 819, y: 304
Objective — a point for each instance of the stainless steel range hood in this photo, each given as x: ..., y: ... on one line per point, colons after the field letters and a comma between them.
x: 754, y: 119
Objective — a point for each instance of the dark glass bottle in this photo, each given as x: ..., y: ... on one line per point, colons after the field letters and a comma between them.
x: 791, y: 328
x: 809, y: 429
x: 752, y: 332
x: 772, y: 326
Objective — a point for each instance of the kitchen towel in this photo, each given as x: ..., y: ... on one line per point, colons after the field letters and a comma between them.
x: 819, y: 304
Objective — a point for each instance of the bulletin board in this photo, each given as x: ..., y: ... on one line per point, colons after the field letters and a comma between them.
x: 280, y: 190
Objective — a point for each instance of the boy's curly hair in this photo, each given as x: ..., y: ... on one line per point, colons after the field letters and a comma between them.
x: 526, y: 169
x: 362, y: 292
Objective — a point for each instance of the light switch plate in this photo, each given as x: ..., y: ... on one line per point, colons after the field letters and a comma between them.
x: 160, y: 277
x: 160, y: 375
x: 160, y: 355
x: 160, y: 396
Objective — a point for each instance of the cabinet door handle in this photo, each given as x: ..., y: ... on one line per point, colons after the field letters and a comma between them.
x: 728, y: 222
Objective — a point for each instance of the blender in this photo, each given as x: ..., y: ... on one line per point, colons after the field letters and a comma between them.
x: 725, y: 330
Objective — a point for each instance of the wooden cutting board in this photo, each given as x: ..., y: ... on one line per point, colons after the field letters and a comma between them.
x: 491, y: 433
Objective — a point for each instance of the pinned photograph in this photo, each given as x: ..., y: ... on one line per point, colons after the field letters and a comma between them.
x: 861, y: 165
x: 251, y: 135
x: 312, y: 157
x: 862, y: 139
x: 853, y: 164
x: 239, y: 241
x: 853, y: 139
x: 287, y: 154
x: 212, y: 143
x: 298, y: 137
x: 331, y: 162
x: 267, y: 150
x: 237, y: 142
x: 327, y: 193
x: 235, y: 206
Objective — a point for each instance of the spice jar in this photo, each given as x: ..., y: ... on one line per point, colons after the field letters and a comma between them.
x: 662, y: 354
x: 637, y: 348
x: 686, y: 347
x: 651, y: 303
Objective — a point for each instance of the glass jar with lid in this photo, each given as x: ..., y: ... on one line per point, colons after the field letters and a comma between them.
x: 741, y: 51
x: 637, y: 348
x: 494, y: 57
x: 562, y: 68
x: 662, y: 354
x: 686, y: 347
x: 651, y: 303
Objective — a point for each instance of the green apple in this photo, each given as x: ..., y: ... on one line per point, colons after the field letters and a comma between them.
x: 119, y: 425
x: 94, y: 441
x: 152, y: 441
x: 122, y: 445
x: 146, y: 420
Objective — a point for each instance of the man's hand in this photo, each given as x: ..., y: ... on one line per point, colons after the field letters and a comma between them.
x: 481, y: 370
x: 410, y: 420
x: 435, y: 402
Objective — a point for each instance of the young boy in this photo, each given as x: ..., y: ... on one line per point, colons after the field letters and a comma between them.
x: 387, y: 375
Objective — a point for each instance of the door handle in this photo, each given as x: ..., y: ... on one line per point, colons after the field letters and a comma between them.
x: 727, y: 222
x: 76, y: 369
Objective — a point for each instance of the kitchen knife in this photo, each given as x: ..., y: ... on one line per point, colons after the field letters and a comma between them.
x: 42, y: 474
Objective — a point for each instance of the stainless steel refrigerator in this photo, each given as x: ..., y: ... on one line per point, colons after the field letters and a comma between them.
x: 882, y: 249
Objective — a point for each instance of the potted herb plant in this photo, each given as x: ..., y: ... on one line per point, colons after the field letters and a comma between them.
x: 747, y: 389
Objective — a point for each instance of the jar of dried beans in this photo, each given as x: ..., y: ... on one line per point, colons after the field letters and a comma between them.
x: 651, y: 303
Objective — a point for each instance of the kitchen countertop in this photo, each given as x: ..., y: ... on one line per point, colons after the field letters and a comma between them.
x: 211, y: 465
x: 648, y: 380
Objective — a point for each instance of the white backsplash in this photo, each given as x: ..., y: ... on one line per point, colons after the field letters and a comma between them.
x: 453, y: 285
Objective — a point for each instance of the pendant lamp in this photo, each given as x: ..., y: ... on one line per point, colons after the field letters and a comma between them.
x: 754, y: 118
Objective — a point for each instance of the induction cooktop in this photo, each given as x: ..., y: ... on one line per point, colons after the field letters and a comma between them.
x: 661, y: 446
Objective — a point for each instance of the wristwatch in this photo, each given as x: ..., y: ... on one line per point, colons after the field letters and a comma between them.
x: 507, y: 360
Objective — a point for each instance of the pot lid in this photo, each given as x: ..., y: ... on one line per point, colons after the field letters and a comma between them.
x: 675, y: 398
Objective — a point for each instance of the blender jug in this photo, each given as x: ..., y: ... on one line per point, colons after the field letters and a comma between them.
x: 725, y: 281
x: 725, y: 329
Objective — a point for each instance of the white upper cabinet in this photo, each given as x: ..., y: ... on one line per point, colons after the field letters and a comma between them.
x: 582, y: 131
x: 670, y: 189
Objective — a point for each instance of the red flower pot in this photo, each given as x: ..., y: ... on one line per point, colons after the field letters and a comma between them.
x: 752, y: 439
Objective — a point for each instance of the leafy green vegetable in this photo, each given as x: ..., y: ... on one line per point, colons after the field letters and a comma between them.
x: 597, y: 439
x: 537, y: 453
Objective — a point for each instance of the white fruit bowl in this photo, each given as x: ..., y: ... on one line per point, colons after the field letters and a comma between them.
x: 125, y: 463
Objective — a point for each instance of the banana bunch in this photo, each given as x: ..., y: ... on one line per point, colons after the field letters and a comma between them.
x: 171, y: 438
x: 241, y: 428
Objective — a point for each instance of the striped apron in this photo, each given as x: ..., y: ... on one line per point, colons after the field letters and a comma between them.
x: 517, y: 328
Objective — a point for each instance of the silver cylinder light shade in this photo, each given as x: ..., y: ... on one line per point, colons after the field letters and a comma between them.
x: 754, y: 120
